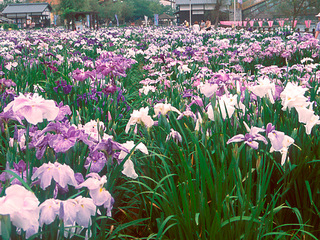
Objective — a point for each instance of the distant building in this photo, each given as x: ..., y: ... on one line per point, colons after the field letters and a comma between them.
x: 200, y: 10
x: 29, y: 15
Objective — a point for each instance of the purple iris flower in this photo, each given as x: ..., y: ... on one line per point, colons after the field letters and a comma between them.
x: 250, y: 138
x: 59, y: 189
x: 95, y: 161
x: 65, y: 140
x: 56, y: 127
x: 79, y: 178
x: 40, y: 143
x: 110, y: 64
x: 20, y: 169
x: 270, y: 128
x: 276, y: 138
x: 64, y: 137
x: 80, y: 75
x: 93, y: 95
x: 5, y: 117
x: 278, y: 91
x: 109, y: 146
x: 187, y: 93
x: 50, y: 65
x: 196, y: 100
x: 175, y: 136
x: 7, y: 83
x: 65, y: 87
x: 109, y: 89
x: 20, y: 136
x: 63, y: 111
x: 187, y: 113
x: 221, y: 77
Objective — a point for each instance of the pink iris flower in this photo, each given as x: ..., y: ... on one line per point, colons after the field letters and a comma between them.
x: 22, y: 206
x: 33, y: 108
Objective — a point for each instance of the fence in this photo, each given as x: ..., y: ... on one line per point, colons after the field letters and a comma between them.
x: 250, y: 24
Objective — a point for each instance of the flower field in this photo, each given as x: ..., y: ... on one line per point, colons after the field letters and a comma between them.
x: 159, y: 133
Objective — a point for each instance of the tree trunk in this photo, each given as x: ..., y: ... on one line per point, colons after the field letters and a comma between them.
x: 293, y: 19
x: 217, y: 13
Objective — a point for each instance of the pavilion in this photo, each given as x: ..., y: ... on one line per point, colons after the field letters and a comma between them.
x: 29, y: 15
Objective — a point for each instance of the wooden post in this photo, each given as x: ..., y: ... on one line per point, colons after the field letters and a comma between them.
x: 94, y: 21
x: 90, y: 20
x: 97, y: 21
x: 73, y: 22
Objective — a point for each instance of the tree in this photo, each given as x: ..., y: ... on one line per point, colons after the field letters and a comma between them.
x: 290, y: 8
x: 131, y: 10
x: 293, y: 8
x: 67, y: 6
x: 123, y: 9
x: 157, y: 8
x: 216, y: 12
x: 5, y: 3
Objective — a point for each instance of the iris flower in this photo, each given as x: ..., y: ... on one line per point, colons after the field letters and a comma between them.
x: 80, y: 75
x: 286, y: 142
x: 264, y: 88
x: 250, y: 138
x: 78, y: 210
x: 98, y: 193
x: 140, y: 117
x: 22, y: 206
x: 49, y: 209
x: 174, y: 135
x: 62, y: 174
x: 293, y: 96
x: 95, y: 161
x: 307, y: 116
x: 164, y: 108
x: 128, y: 166
x: 33, y: 108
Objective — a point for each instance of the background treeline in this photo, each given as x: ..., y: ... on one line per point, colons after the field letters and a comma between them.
x: 126, y: 10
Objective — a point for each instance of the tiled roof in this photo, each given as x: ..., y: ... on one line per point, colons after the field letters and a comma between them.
x: 26, y: 8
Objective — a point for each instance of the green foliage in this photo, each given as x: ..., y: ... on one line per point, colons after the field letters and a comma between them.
x: 124, y: 10
x: 4, y: 3
x: 293, y: 8
x: 7, y: 26
x: 67, y: 6
x: 131, y: 10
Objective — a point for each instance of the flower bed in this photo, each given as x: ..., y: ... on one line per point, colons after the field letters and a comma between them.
x: 159, y: 133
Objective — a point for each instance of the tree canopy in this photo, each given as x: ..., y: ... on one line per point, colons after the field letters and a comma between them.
x: 126, y: 10
x: 294, y: 8
x: 4, y: 3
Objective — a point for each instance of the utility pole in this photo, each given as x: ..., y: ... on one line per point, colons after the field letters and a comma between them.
x: 234, y: 10
x: 190, y: 13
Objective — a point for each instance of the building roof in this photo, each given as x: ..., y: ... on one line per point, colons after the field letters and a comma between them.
x: 26, y: 8
x: 165, y: 16
x: 196, y: 2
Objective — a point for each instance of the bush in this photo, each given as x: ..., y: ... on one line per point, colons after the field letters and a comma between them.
x: 6, y: 26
